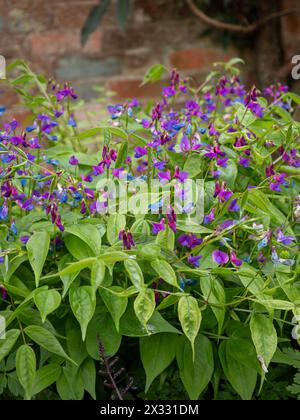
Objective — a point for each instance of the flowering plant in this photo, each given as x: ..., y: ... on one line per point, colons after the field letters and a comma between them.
x: 211, y: 298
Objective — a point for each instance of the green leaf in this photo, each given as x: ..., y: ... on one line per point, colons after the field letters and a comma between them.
x: 26, y: 368
x: 214, y: 294
x: 241, y: 375
x: 111, y: 257
x: 88, y: 373
x: 122, y: 154
x: 78, y: 248
x: 38, y: 247
x: 131, y: 326
x: 14, y: 264
x: 157, y: 353
x: 144, y: 306
x: 69, y: 272
x: 89, y: 234
x: 140, y: 228
x: 277, y: 304
x: 102, y: 328
x: 83, y: 305
x: 135, y: 273
x: 45, y: 377
x: 97, y: 274
x: 115, y: 223
x: 8, y: 342
x: 245, y: 116
x: 264, y: 337
x: 195, y: 371
x: 123, y: 9
x: 149, y: 252
x: 165, y: 271
x: 70, y: 384
x: 46, y: 301
x: 47, y: 340
x: 193, y: 165
x: 229, y: 174
x: 115, y: 304
x: 94, y: 20
x: 154, y: 74
x: 190, y: 318
x: 166, y: 238
x: 75, y: 346
x: 76, y: 267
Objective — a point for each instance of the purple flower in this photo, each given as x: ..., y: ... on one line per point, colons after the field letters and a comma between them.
x: 285, y: 240
x: 68, y: 91
x: 233, y: 206
x: 189, y: 240
x: 164, y: 177
x: 210, y: 217
x: 140, y: 152
x: 73, y: 161
x: 157, y: 227
x: 4, y: 211
x: 160, y: 165
x: 278, y: 181
x: 72, y: 122
x: 119, y: 173
x: 243, y: 161
x: 220, y: 257
x: 24, y: 239
x: 235, y: 261
x: 194, y: 260
x: 181, y: 176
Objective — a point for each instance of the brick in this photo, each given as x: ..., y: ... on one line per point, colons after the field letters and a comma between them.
x: 28, y: 16
x: 131, y: 88
x: 83, y: 68
x: 61, y: 42
x: 197, y: 58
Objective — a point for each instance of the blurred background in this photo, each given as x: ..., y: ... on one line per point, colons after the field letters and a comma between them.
x: 111, y: 43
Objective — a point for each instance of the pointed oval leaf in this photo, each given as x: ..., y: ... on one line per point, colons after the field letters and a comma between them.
x: 115, y: 223
x: 47, y: 301
x: 8, y: 342
x: 157, y: 353
x: 45, y: 377
x: 87, y: 233
x: 97, y: 274
x: 115, y: 304
x: 165, y: 271
x: 144, y: 306
x: 47, y: 340
x: 135, y: 273
x: 102, y: 328
x: 241, y: 376
x: 264, y: 337
x: 190, y: 317
x: 83, y: 305
x: 37, y: 248
x: 196, y: 374
x: 26, y: 368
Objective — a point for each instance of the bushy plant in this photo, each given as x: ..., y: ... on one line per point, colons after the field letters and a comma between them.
x: 198, y: 303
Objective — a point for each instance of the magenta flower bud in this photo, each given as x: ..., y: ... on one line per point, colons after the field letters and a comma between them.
x: 235, y: 261
x: 3, y: 292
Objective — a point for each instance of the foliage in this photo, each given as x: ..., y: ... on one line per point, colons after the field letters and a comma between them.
x: 205, y: 307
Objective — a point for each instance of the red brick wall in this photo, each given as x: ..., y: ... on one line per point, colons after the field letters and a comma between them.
x: 47, y: 34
